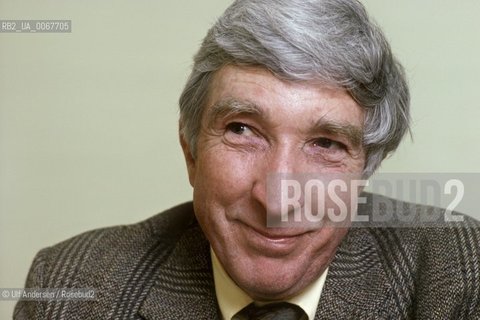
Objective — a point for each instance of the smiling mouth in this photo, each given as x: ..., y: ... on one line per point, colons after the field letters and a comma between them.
x: 273, y: 243
x: 278, y: 234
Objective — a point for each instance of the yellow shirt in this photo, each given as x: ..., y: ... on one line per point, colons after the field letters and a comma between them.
x: 231, y: 299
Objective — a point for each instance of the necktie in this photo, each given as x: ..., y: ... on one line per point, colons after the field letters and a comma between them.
x: 272, y: 311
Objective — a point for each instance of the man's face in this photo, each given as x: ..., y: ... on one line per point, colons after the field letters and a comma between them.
x: 253, y: 125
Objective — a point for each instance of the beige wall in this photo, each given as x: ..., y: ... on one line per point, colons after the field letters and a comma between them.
x: 88, y: 119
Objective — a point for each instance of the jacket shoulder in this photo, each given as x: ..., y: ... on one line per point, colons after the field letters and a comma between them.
x: 406, y: 270
x: 107, y: 260
x: 117, y: 242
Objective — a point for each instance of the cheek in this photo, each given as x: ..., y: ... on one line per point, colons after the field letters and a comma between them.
x: 224, y: 176
x: 222, y: 188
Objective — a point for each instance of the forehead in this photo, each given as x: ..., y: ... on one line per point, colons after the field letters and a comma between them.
x: 276, y: 97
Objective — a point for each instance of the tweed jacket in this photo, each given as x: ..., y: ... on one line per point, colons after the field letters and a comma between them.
x: 161, y: 269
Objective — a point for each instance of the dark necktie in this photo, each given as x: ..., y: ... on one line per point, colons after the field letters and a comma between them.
x: 272, y: 311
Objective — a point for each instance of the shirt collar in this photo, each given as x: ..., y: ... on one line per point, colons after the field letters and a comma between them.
x: 231, y: 299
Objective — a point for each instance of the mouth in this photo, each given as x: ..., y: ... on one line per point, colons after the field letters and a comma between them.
x: 273, y: 241
x: 279, y: 233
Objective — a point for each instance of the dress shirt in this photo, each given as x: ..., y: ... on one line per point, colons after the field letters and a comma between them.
x: 231, y: 299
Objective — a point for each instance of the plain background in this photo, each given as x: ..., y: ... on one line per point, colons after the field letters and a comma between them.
x: 88, y: 120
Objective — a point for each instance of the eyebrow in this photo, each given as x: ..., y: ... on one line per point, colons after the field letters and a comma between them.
x: 230, y: 107
x: 352, y: 133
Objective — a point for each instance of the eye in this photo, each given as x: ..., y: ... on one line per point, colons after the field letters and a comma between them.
x: 239, y: 128
x: 328, y: 144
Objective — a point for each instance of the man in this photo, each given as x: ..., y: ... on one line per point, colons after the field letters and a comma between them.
x: 278, y: 87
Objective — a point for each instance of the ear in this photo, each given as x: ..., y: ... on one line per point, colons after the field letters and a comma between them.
x: 189, y: 160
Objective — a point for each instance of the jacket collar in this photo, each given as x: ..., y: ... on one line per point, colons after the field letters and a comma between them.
x: 357, y: 284
x: 184, y: 286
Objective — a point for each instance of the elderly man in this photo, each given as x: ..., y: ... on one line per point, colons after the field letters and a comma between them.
x: 277, y: 87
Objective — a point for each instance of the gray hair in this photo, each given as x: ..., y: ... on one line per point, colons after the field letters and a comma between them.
x: 326, y: 41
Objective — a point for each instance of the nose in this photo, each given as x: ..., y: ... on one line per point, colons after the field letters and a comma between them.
x: 277, y: 179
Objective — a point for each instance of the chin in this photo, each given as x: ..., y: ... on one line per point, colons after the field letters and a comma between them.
x: 273, y: 280
x: 274, y: 290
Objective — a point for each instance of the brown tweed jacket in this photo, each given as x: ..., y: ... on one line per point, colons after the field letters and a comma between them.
x: 160, y: 269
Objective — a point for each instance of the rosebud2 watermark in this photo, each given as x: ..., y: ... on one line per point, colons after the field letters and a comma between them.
x: 339, y: 200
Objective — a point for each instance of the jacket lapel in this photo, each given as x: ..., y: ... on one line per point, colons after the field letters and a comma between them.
x: 357, y: 286
x: 184, y: 286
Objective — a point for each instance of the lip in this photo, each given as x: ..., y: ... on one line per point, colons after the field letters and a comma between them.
x: 273, y: 242
x: 277, y: 233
